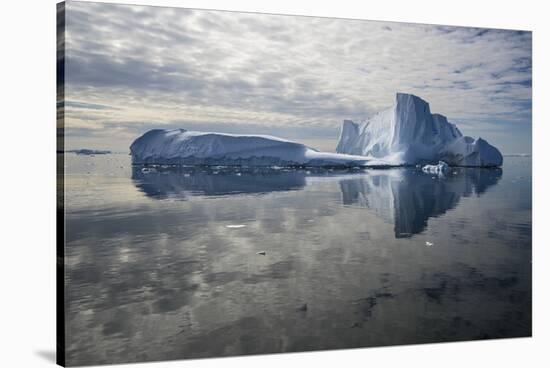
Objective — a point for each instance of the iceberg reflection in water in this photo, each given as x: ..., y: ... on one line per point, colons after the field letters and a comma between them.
x: 183, y: 182
x: 408, y: 198
x: 403, y: 196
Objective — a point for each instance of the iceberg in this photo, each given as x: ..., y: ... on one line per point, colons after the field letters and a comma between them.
x: 89, y: 152
x: 409, y: 134
x: 405, y: 134
x: 184, y: 147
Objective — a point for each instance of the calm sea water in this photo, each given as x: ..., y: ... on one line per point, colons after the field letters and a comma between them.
x: 165, y: 264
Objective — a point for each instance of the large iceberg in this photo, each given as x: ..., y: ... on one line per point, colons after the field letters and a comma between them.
x: 408, y: 134
x: 183, y: 147
x: 405, y: 134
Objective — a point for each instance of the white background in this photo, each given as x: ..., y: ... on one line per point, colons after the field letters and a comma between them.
x: 27, y: 148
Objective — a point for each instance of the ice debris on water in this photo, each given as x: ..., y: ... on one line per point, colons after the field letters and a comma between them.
x: 147, y: 170
x: 429, y: 244
x: 235, y: 226
x: 441, y: 168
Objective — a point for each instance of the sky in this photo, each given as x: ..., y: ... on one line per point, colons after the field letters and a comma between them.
x: 129, y: 69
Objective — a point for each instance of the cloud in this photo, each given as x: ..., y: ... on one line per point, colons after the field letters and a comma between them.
x: 162, y: 65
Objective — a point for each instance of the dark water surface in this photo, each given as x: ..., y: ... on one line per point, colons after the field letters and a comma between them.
x: 164, y: 264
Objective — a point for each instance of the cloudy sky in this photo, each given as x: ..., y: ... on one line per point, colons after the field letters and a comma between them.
x: 133, y: 68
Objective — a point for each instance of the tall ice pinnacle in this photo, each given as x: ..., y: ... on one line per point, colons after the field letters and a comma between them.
x: 408, y: 133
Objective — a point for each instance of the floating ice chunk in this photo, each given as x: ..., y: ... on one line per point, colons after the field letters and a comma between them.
x: 428, y: 244
x: 147, y: 170
x: 441, y: 168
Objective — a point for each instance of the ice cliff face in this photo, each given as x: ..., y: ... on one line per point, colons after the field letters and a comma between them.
x: 408, y: 133
x: 183, y: 147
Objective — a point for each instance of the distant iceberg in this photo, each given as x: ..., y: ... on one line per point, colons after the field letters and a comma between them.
x: 408, y: 134
x: 184, y: 147
x: 85, y: 151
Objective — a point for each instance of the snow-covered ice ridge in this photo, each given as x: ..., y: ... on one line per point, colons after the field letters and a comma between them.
x: 408, y: 134
x: 183, y: 147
